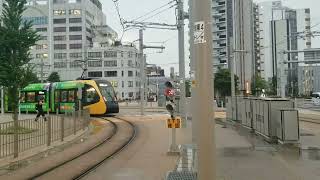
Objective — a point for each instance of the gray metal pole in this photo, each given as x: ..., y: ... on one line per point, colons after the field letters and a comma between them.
x: 141, y: 72
x: 204, y: 89
x: 2, y: 100
x: 182, y: 70
x: 41, y: 69
x: 192, y: 71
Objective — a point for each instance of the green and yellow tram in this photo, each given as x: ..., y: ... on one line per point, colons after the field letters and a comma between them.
x: 96, y: 95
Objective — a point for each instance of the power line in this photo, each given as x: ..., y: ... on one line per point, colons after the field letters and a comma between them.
x: 158, y: 13
x: 154, y: 10
x: 116, y: 5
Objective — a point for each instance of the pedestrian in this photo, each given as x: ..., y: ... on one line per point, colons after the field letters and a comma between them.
x: 39, y: 110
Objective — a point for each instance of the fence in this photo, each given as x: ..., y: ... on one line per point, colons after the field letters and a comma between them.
x: 28, y: 134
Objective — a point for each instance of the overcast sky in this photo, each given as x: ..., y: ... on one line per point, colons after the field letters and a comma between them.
x: 131, y: 9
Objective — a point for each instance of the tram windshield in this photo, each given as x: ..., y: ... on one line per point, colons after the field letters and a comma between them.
x: 107, y: 92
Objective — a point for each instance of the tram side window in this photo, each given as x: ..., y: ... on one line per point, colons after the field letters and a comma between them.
x: 56, y: 96
x: 64, y: 96
x: 90, y: 95
x: 31, y: 97
x: 71, y: 97
x: 315, y: 95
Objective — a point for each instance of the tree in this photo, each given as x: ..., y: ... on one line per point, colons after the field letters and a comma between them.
x: 259, y: 84
x: 54, y: 77
x: 222, y: 82
x: 273, y: 86
x: 16, y: 38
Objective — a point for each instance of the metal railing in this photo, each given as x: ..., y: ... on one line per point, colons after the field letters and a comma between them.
x: 27, y: 134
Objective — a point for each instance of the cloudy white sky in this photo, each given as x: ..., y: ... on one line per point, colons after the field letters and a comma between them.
x: 131, y: 9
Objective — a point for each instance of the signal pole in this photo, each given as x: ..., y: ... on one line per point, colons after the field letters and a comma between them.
x: 182, y: 74
x: 204, y: 89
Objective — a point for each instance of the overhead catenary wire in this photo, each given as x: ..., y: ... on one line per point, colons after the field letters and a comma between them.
x: 116, y: 5
x: 154, y: 10
x: 164, y: 10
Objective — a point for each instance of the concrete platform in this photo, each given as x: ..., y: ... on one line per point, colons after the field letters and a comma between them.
x: 240, y: 154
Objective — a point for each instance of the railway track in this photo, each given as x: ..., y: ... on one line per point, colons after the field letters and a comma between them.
x: 120, y: 126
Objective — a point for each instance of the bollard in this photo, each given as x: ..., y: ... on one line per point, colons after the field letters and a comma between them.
x: 16, y: 140
x: 62, y: 127
x: 49, y: 131
x: 74, y: 122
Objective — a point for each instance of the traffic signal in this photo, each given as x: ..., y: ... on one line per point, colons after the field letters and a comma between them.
x: 170, y: 94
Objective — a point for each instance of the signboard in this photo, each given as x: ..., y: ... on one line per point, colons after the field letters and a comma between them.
x: 173, y: 123
x: 199, y: 28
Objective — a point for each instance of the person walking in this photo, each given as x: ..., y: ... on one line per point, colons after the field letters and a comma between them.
x: 39, y: 110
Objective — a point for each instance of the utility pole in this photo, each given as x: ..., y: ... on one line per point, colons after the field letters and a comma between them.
x: 192, y: 72
x: 182, y: 74
x: 204, y: 89
x: 142, y: 73
x: 142, y: 68
x: 41, y: 66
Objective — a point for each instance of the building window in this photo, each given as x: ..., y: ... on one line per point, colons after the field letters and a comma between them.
x: 76, y: 28
x: 114, y: 83
x: 130, y: 63
x: 137, y: 83
x: 75, y: 37
x: 110, y: 53
x: 36, y: 20
x: 130, y: 73
x: 59, y: 38
x: 75, y: 64
x: 88, y: 30
x: 88, y: 22
x: 60, y: 46
x: 59, y: 21
x: 130, y: 83
x: 95, y: 74
x: 110, y: 63
x: 60, y: 65
x: 130, y: 54
x: 130, y: 94
x: 59, y: 29
x: 75, y: 20
x: 95, y: 63
x: 75, y: 11
x: 75, y: 46
x: 60, y: 55
x: 59, y: 12
x: 122, y: 94
x: 122, y: 84
x: 94, y: 54
x: 41, y: 29
x: 43, y: 37
x: 122, y: 73
x: 41, y: 46
x: 110, y: 73
x: 75, y: 55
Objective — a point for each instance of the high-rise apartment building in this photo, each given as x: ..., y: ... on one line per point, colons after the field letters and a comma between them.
x: 65, y: 27
x: 278, y: 29
x: 243, y: 43
x: 222, y: 32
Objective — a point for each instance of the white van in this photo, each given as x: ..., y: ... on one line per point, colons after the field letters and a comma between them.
x: 316, y: 98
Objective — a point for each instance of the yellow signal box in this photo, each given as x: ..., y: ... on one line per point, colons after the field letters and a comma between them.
x: 174, y: 123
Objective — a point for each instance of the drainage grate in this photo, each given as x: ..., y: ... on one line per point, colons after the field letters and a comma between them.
x: 181, y: 175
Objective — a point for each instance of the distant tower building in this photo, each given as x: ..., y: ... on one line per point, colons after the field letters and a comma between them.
x: 280, y: 29
x: 222, y: 32
x: 243, y: 43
